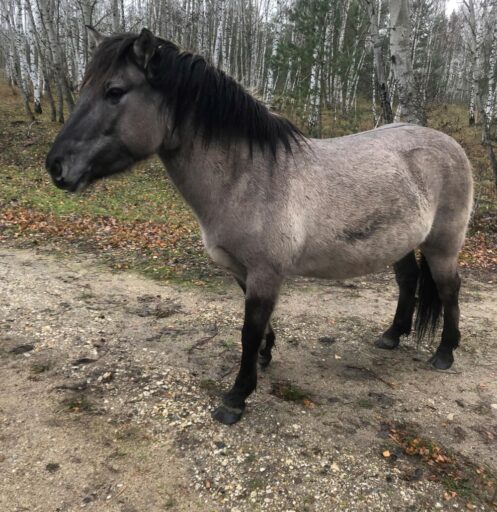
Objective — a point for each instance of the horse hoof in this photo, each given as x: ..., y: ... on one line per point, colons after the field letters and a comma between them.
x: 441, y: 361
x: 228, y: 415
x: 386, y: 343
x: 264, y: 360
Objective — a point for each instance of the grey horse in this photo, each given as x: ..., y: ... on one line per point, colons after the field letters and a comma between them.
x: 271, y: 203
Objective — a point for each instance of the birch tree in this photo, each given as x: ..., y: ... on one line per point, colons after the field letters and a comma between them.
x: 380, y: 79
x: 401, y: 63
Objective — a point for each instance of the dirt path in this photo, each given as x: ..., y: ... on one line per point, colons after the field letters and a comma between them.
x: 107, y: 381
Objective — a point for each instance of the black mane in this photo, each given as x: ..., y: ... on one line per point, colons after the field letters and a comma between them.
x: 219, y: 107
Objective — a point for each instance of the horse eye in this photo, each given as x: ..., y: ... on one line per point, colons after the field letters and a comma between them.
x: 114, y: 94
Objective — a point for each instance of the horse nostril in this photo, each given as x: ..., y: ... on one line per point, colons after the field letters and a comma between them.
x: 56, y: 170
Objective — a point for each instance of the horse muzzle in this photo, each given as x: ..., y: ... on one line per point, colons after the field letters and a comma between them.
x: 66, y: 177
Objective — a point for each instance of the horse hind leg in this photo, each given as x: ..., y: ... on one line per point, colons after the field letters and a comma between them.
x: 406, y: 275
x: 443, y: 269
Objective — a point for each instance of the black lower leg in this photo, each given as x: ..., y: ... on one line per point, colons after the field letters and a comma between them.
x: 269, y: 337
x: 257, y: 314
x: 449, y: 294
x: 265, y: 353
x: 406, y: 275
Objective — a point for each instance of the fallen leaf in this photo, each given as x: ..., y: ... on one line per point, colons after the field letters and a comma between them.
x: 309, y: 403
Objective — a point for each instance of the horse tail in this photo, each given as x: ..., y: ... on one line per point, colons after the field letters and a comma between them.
x: 429, y: 307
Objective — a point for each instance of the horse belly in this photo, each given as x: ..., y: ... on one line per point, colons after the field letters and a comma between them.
x: 355, y: 254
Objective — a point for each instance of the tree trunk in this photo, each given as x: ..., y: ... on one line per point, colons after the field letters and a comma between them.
x: 378, y: 62
x: 491, y: 93
x: 487, y: 142
x: 400, y: 55
x: 476, y: 17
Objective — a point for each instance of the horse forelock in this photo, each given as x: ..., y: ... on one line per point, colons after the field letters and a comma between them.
x: 194, y: 91
x: 111, y: 54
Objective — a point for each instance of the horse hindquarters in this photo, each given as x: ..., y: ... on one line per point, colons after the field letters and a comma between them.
x: 440, y: 253
x: 443, y: 270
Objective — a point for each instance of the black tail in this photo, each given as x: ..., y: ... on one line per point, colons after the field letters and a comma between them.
x: 429, y: 303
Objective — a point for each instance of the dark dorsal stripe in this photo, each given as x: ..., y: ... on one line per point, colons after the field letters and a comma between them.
x: 220, y: 109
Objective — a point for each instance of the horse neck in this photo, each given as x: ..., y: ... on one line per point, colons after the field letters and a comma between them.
x: 205, y: 176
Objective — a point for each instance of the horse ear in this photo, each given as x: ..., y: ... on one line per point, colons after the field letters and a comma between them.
x: 144, y: 47
x: 95, y: 35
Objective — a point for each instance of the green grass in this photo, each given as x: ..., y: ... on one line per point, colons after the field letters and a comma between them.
x: 77, y: 404
x: 289, y: 392
x: 142, y: 195
x: 40, y: 367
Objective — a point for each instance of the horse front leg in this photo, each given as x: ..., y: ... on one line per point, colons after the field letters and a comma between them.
x: 261, y: 294
x: 265, y: 352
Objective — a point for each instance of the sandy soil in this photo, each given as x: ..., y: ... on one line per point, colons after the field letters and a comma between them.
x: 108, y: 379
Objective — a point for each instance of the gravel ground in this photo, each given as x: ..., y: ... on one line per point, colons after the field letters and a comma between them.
x: 108, y: 381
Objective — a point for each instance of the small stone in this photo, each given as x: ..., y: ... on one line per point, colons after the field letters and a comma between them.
x: 327, y: 340
x: 107, y: 377
x: 83, y: 360
x: 52, y: 467
x: 450, y: 416
x: 79, y: 385
x: 494, y: 406
x: 21, y: 349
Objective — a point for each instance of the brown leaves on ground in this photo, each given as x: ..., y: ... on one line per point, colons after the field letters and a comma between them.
x: 106, y: 231
x: 411, y: 445
x: 457, y: 474
x: 166, y: 241
x: 480, y: 250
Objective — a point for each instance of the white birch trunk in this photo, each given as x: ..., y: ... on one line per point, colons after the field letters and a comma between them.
x: 492, y: 92
x: 314, y: 93
x: 372, y: 7
x: 20, y: 47
x: 476, y: 15
x: 115, y: 16
x: 400, y: 37
x: 217, y: 59
x: 271, y: 79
